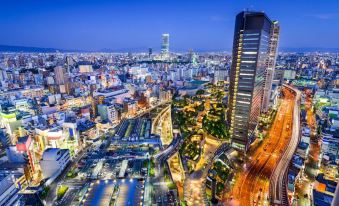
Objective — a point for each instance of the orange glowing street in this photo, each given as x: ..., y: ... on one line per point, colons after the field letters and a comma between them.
x: 311, y: 122
x: 252, y: 184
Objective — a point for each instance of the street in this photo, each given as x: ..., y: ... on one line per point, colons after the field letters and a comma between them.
x: 252, y: 184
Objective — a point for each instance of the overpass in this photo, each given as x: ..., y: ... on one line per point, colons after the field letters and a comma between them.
x: 155, y: 119
x: 278, y: 179
x: 170, y: 150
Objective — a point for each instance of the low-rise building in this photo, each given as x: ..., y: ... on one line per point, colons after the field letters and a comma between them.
x: 303, y: 149
x: 54, y: 161
x: 324, y: 191
x: 293, y: 176
x: 330, y: 145
x: 164, y: 95
x: 108, y: 112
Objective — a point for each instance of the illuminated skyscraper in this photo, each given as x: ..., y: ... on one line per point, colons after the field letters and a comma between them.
x: 247, y: 76
x: 271, y: 59
x: 165, y: 45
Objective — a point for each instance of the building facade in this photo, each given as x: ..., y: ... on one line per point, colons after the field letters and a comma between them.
x: 271, y: 60
x: 54, y: 161
x: 59, y: 73
x: 247, y: 76
x: 165, y: 45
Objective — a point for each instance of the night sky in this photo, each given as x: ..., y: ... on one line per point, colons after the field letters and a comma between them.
x: 137, y: 24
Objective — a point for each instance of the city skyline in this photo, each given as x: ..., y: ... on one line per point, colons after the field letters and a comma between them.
x: 136, y: 26
x: 147, y: 103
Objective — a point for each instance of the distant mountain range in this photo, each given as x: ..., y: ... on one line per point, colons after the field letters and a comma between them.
x: 9, y: 48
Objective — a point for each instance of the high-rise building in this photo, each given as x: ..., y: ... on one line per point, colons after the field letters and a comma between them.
x: 247, y: 75
x: 220, y: 74
x: 150, y: 51
x: 165, y: 44
x: 59, y: 73
x: 271, y: 59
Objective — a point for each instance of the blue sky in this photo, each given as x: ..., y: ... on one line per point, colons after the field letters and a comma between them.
x: 131, y: 24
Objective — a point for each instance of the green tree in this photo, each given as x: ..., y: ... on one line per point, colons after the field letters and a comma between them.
x: 200, y: 92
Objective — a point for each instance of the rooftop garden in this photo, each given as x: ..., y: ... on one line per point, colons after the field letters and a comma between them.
x: 214, y: 122
x: 221, y: 174
x: 191, y: 147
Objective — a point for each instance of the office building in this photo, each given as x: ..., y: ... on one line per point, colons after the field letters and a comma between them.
x: 108, y: 112
x: 330, y: 145
x: 165, y: 45
x: 59, y: 73
x: 220, y: 75
x: 247, y: 76
x: 271, y: 60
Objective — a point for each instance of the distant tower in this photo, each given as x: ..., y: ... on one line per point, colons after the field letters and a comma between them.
x: 130, y: 55
x: 271, y: 60
x: 150, y: 51
x: 165, y: 45
x: 247, y: 76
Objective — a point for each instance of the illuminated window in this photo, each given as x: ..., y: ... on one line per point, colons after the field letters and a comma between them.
x: 250, y: 52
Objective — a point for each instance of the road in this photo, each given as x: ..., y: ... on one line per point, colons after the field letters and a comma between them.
x: 148, y: 110
x: 252, y: 184
x: 158, y: 182
x: 50, y: 199
x: 195, y: 184
x: 195, y: 189
x: 315, y: 145
x: 69, y: 197
x: 165, y: 127
x: 164, y: 109
x: 278, y: 187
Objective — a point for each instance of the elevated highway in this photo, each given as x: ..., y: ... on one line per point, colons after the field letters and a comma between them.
x: 278, y: 180
x: 252, y: 185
